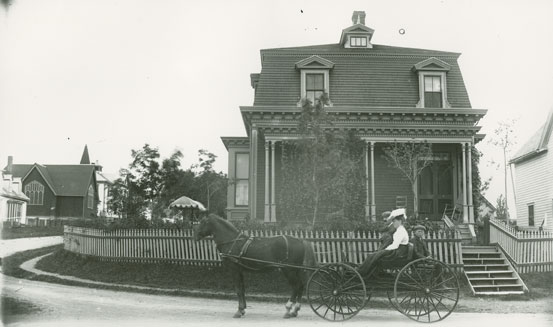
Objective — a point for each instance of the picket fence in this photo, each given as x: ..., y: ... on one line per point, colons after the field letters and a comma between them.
x: 529, y: 251
x: 179, y: 246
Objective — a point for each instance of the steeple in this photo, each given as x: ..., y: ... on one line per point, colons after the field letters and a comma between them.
x: 85, y: 159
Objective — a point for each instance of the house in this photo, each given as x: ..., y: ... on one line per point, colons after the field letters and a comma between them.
x: 104, y: 182
x: 533, y: 181
x: 385, y: 94
x: 13, y: 202
x: 57, y: 191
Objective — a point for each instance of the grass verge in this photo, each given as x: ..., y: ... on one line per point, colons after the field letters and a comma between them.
x: 9, y: 233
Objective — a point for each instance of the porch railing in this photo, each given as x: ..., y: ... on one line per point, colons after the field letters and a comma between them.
x: 530, y: 251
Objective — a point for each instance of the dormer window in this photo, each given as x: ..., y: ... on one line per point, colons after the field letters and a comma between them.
x: 314, y: 86
x: 314, y: 78
x: 358, y: 41
x: 432, y: 83
x: 432, y: 91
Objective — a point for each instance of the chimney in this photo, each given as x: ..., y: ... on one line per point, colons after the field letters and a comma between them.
x: 10, y: 164
x: 358, y: 17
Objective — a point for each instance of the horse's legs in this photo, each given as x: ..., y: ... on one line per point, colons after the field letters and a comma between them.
x: 293, y: 282
x: 240, y: 292
x: 301, y: 281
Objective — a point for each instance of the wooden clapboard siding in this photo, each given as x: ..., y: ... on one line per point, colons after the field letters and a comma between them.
x: 529, y: 251
x: 534, y: 184
x: 179, y: 246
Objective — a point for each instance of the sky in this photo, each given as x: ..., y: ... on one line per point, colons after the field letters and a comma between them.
x: 117, y: 74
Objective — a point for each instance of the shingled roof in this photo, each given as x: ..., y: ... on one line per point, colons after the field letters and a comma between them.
x: 537, y: 143
x: 64, y: 180
x: 378, y: 77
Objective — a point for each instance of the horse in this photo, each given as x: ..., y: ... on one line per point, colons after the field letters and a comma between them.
x: 240, y: 252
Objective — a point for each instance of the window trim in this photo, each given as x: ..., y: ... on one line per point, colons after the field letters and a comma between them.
x: 443, y: 76
x: 303, y: 81
x: 241, y: 179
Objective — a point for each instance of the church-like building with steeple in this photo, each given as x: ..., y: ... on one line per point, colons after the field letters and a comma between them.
x: 58, y: 191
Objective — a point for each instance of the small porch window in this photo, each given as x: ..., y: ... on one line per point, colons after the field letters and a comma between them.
x: 241, y: 175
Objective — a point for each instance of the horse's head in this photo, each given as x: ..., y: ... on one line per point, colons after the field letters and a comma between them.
x: 203, y: 228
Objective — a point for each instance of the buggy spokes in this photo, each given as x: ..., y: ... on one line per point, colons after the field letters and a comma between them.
x: 426, y: 290
x: 336, y: 292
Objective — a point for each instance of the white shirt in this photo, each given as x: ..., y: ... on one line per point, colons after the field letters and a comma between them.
x: 401, y: 237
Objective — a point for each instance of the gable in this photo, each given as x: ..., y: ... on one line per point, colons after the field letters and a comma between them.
x: 433, y: 64
x: 314, y: 62
x: 35, y: 175
x: 536, y: 144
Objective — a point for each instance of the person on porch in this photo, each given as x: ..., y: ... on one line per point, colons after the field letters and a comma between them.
x: 397, y: 249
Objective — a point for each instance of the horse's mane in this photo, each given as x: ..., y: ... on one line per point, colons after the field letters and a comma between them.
x: 223, y: 222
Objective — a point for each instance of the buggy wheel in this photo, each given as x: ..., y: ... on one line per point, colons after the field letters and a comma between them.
x: 336, y: 292
x: 426, y: 290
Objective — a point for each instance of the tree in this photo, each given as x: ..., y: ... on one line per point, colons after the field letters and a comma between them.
x: 321, y: 170
x: 501, y: 210
x: 209, y: 183
x: 411, y: 158
x: 504, y: 138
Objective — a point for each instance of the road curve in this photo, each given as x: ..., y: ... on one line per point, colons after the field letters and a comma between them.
x: 63, y: 305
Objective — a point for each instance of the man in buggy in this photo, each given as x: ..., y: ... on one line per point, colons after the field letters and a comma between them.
x: 398, y: 244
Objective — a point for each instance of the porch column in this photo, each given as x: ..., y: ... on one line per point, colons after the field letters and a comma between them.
x: 373, y: 201
x: 465, y: 208
x: 253, y: 169
x: 366, y: 161
x: 273, y: 200
x: 267, y: 216
x: 469, y: 188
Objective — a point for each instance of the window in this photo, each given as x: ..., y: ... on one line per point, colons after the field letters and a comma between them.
x: 314, y: 86
x: 241, y: 175
x: 358, y: 41
x: 90, y: 197
x: 433, y: 92
x: 35, y: 192
x: 14, y: 210
x: 531, y: 214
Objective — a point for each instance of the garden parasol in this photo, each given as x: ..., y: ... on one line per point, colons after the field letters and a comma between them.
x: 188, y: 205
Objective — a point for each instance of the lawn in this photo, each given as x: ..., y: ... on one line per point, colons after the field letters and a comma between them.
x: 160, y: 275
x: 31, y: 231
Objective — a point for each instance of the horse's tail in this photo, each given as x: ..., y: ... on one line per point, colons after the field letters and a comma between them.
x: 309, y: 258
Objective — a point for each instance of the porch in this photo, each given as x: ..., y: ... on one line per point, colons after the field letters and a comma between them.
x: 446, y: 182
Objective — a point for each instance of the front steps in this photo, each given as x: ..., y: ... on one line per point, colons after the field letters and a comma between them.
x: 489, y: 272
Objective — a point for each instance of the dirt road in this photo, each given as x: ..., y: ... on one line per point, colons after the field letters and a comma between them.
x: 60, y: 305
x: 9, y: 247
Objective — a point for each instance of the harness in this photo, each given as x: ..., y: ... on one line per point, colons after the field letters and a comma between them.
x: 241, y: 256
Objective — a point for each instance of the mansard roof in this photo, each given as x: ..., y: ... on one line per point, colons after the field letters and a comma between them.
x: 382, y: 76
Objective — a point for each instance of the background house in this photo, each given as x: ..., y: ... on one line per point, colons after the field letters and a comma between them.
x: 385, y: 94
x: 57, y: 191
x: 13, y: 202
x: 533, y: 167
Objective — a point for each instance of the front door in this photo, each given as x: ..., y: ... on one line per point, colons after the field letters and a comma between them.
x: 436, y: 187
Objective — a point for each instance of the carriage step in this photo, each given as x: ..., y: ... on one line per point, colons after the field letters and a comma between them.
x: 489, y: 282
x: 498, y: 288
x: 489, y: 274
